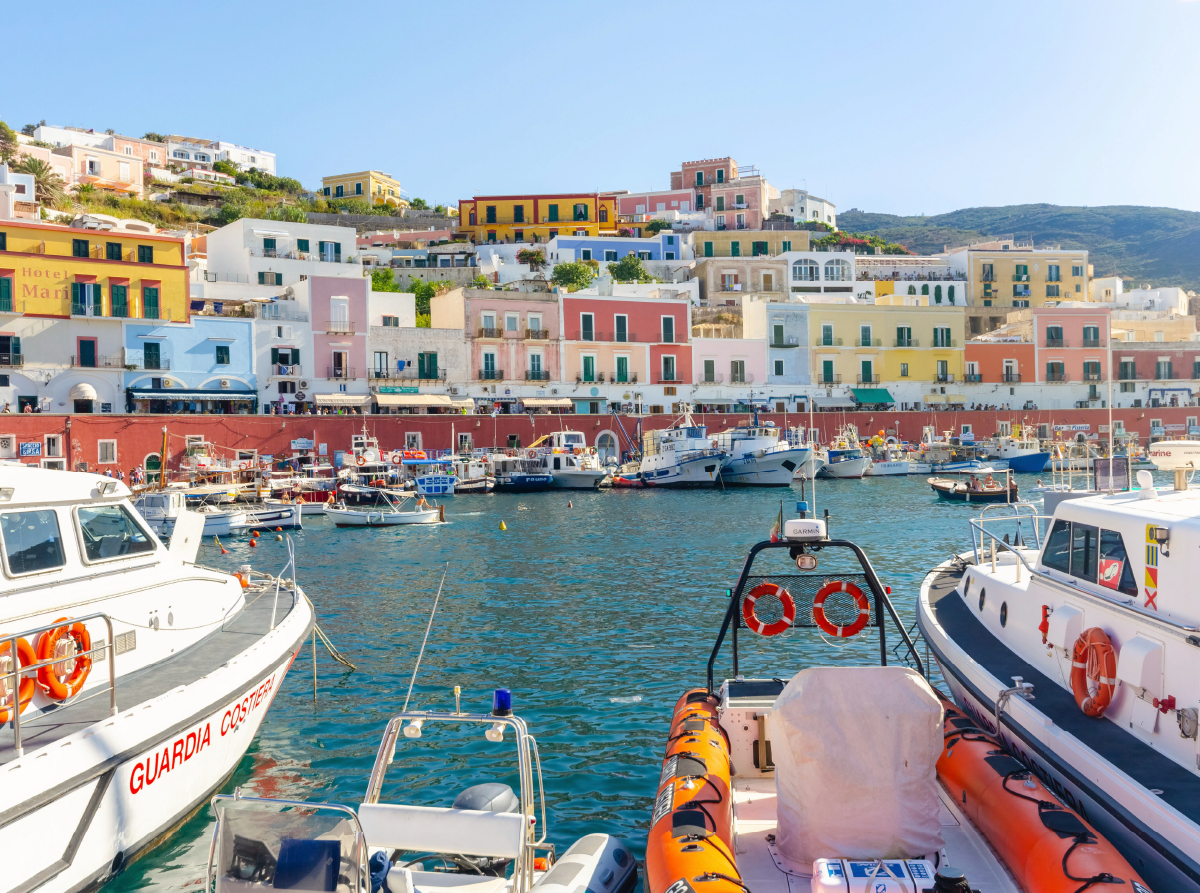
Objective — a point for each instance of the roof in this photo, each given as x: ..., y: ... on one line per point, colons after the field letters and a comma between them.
x: 872, y: 395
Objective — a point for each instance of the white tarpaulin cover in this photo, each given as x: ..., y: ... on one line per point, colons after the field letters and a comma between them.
x: 856, y: 751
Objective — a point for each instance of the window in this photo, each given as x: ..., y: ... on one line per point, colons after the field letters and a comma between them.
x: 904, y: 370
x: 381, y: 363
x: 151, y: 358
x: 145, y: 254
x: 941, y: 337
x: 339, y: 191
x: 392, y: 322
x: 490, y: 212
x: 553, y: 213
x: 603, y: 215
x: 491, y: 235
x: 720, y: 203
x: 31, y: 541
x: 1091, y: 370
x: 1127, y: 369
x: 1055, y: 371
x: 119, y: 299
x: 1052, y: 273
x: 668, y: 369
x: 109, y: 531
x: 779, y: 367
x: 358, y: 188
x: 837, y: 270
x: 1091, y: 336
x: 708, y: 249
x: 735, y: 249
x: 643, y: 255
x: 806, y: 270
x: 3, y: 241
x: 721, y: 176
x: 112, y: 251
x: 904, y: 336
x: 518, y: 236
x: 777, y: 334
x: 79, y: 248
x: 587, y: 327
x: 737, y: 371
x: 1021, y: 273
x: 668, y: 329
x: 621, y: 327
x: 739, y: 200
x: 867, y: 371
x: 786, y: 245
x: 580, y: 212
x: 1114, y: 569
x: 710, y: 371
x: 699, y: 178
x: 427, y: 365
x: 1163, y: 369
x: 987, y: 273
x: 534, y: 322
x: 610, y: 255
x: 1056, y: 554
x: 270, y: 279
x: 586, y: 254
x: 1084, y: 546
x: 518, y: 213
x: 535, y: 363
x: 622, y: 369
x: 222, y: 354
x: 510, y: 322
x: 589, y: 368
x: 1077, y: 270
x: 1052, y: 291
x: 827, y: 334
x: 759, y: 249
x: 326, y: 190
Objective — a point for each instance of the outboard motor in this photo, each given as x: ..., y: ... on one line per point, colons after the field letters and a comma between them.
x: 491, y: 796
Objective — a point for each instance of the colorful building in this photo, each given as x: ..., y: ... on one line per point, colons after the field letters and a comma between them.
x: 537, y: 218
x: 205, y: 366
x: 104, y: 169
x: 608, y: 249
x: 749, y: 243
x: 373, y: 186
x: 650, y: 204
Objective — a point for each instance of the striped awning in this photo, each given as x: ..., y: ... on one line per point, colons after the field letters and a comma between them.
x: 548, y: 401
x: 428, y: 400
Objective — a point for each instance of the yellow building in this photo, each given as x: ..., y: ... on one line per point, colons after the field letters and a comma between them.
x: 749, y: 243
x: 1026, y: 277
x: 56, y: 271
x: 373, y: 186
x: 537, y: 218
x: 862, y: 345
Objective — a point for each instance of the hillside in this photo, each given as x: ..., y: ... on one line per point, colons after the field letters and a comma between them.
x: 1160, y: 246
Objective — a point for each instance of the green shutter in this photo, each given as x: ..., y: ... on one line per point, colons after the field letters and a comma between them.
x: 15, y: 344
x: 735, y: 249
x: 708, y: 249
x: 150, y: 303
x: 118, y: 300
x: 6, y: 304
x: 274, y: 356
x: 77, y: 308
x: 787, y: 245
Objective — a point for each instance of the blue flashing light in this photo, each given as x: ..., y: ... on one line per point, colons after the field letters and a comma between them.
x: 802, y: 506
x: 502, y: 702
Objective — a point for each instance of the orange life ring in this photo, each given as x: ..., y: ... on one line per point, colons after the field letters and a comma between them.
x: 414, y: 454
x: 532, y: 454
x: 378, y: 483
x: 28, y: 685
x: 62, y: 688
x: 361, y: 461
x: 1094, y: 660
x: 768, y: 629
x: 842, y: 632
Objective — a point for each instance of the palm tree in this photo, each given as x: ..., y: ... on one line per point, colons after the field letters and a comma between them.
x: 47, y: 185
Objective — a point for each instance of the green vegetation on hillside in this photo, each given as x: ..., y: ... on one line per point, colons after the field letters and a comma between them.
x: 1159, y: 246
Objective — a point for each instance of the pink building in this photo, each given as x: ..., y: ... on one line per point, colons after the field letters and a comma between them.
x: 1070, y: 344
x: 652, y: 203
x: 340, y: 323
x: 103, y: 168
x: 152, y: 154
x: 733, y: 198
x: 511, y: 336
x: 621, y: 339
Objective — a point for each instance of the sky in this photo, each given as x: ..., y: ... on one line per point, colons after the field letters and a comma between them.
x: 894, y: 107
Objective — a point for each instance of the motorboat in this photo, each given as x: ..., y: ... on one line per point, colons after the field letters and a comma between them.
x: 1025, y: 456
x: 472, y: 474
x: 811, y: 467
x: 144, y: 676
x: 565, y: 456
x: 755, y: 456
x: 681, y: 455
x: 514, y: 472
x: 959, y: 490
x: 1072, y: 640
x: 307, y: 509
x: 890, y: 458
x: 159, y: 509
x: 489, y: 839
x: 852, y: 773
x: 429, y: 477
x: 386, y: 512
x: 274, y: 516
x: 845, y: 457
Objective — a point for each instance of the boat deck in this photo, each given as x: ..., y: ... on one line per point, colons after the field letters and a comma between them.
x: 236, y: 635
x: 1145, y: 765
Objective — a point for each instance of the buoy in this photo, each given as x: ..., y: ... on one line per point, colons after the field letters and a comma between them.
x: 277, y: 529
x: 217, y: 542
x: 569, y: 504
x: 253, y: 543
x: 278, y: 539
x: 503, y: 526
x: 253, y: 534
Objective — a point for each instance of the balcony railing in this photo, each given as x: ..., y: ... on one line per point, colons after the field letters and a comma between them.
x: 868, y: 379
x: 339, y: 327
x: 1020, y: 277
x: 973, y: 377
x: 822, y: 378
x: 944, y: 377
x: 988, y: 277
x: 906, y: 342
x: 12, y: 359
x: 152, y: 365
x: 281, y: 311
x: 1130, y: 376
x: 98, y: 362
x: 537, y: 374
x: 1056, y: 342
x: 828, y: 342
x: 710, y: 378
x: 490, y: 375
x: 662, y: 379
x: 537, y: 334
x: 612, y: 337
x: 743, y: 378
x: 868, y: 342
x: 945, y: 342
x: 1092, y: 342
x: 627, y: 378
x: 1165, y: 375
x: 1091, y: 376
x: 408, y: 373
x: 783, y: 345
x: 287, y: 369
x: 490, y: 332
x: 341, y: 372
x: 322, y: 257
x: 1056, y: 376
x: 1011, y: 378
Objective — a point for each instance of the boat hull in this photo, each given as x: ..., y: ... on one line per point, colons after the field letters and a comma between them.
x: 579, y: 479
x: 810, y: 468
x: 475, y: 485
x: 435, y: 484
x: 519, y: 482
x: 1029, y: 463
x: 307, y: 509
x: 846, y: 468
x: 355, y: 518
x: 681, y: 470
x: 956, y: 491
x: 286, y: 517
x: 771, y: 469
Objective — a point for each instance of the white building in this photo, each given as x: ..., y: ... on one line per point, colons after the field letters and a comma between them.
x: 803, y: 207
x: 17, y: 198
x: 1173, y: 300
x: 200, y: 153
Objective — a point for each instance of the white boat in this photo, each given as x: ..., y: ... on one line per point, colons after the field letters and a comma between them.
x: 161, y: 673
x: 810, y: 467
x: 384, y: 513
x: 565, y: 456
x: 1079, y: 651
x: 889, y: 459
x: 680, y: 456
x: 273, y: 516
x: 160, y: 509
x: 1026, y: 456
x: 488, y: 839
x: 756, y: 457
x: 307, y: 509
x: 472, y: 474
x: 222, y: 522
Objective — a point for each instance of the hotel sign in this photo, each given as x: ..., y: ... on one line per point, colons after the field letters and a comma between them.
x: 392, y: 389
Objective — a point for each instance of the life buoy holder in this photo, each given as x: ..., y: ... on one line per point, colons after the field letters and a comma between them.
x: 828, y: 626
x: 752, y: 620
x: 360, y: 461
x: 27, y: 686
x: 62, y: 686
x: 1093, y: 660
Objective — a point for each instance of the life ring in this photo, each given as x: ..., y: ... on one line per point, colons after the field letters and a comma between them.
x: 1093, y: 660
x: 578, y: 451
x: 818, y: 609
x: 28, y: 686
x: 714, y: 443
x: 414, y: 454
x: 532, y: 454
x: 361, y: 461
x: 768, y: 629
x: 62, y: 688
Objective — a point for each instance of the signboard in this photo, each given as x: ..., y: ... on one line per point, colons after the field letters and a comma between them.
x: 1175, y: 427
x: 395, y: 389
x: 302, y: 443
x: 323, y: 449
x: 1111, y: 474
x: 338, y: 458
x: 1072, y: 427
x: 1104, y: 429
x: 31, y: 449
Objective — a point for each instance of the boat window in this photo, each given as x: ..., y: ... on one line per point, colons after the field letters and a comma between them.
x: 1057, y: 553
x: 109, y: 531
x: 31, y: 541
x: 1115, y: 572
x: 1084, y: 543
x: 573, y: 438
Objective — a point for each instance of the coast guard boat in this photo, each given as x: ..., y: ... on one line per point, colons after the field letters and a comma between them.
x: 143, y: 676
x: 1079, y: 648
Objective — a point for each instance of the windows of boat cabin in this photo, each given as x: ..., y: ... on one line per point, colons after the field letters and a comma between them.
x: 1089, y: 553
x: 32, y: 542
x: 1114, y: 569
x: 109, y: 531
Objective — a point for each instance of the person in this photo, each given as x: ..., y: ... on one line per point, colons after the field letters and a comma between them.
x: 7, y: 408
x: 287, y: 499
x: 975, y: 484
x: 990, y: 483
x: 120, y: 475
x: 28, y: 408
x: 329, y: 501
x: 108, y: 472
x: 421, y: 503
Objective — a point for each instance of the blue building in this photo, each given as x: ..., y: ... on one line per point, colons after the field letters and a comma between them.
x: 203, y: 366
x: 663, y: 246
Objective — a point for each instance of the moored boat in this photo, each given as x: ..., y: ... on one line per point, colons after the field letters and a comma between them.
x: 680, y: 455
x: 755, y: 456
x: 565, y: 456
x: 959, y: 490
x: 385, y: 511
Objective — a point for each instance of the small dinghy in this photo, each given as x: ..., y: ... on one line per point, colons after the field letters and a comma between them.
x: 488, y: 839
x: 385, y: 513
x: 957, y: 490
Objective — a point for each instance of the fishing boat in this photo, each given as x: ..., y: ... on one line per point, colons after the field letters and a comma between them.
x: 890, y: 458
x: 852, y: 777
x: 755, y: 456
x: 845, y: 457
x: 959, y: 490
x: 681, y: 455
x: 565, y: 456
x: 472, y: 474
x: 273, y: 515
x: 514, y: 472
x: 489, y: 838
x: 385, y: 512
x: 429, y: 477
x: 1075, y: 647
x: 1022, y: 455
x: 144, y: 676
x: 811, y: 467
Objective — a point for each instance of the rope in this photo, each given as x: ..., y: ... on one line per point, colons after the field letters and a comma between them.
x: 429, y: 626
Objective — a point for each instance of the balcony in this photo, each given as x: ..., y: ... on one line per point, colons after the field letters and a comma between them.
x: 743, y: 378
x: 1123, y: 375
x: 611, y: 337
x: 628, y: 378
x: 490, y: 375
x: 537, y: 334
x: 281, y: 311
x: 973, y: 377
x: 537, y: 374
x: 152, y: 365
x: 339, y: 327
x: 1057, y: 376
x: 341, y: 373
x: 98, y: 362
x: 710, y: 378
x: 868, y: 342
x: 662, y: 379
x: 945, y: 342
x: 322, y: 257
x: 906, y: 342
x: 490, y: 332
x: 1092, y: 342
x: 1091, y: 376
x: 944, y: 378
x: 12, y: 359
x: 1011, y: 378
x: 988, y: 277
x: 828, y: 342
x: 782, y: 345
x: 408, y: 373
x: 1020, y: 277
x: 1056, y: 342
x: 287, y: 369
x: 824, y: 379
x: 868, y: 379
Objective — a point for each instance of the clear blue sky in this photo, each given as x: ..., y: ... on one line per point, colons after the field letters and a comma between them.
x: 910, y: 108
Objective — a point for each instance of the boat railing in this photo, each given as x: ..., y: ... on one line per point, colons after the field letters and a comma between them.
x: 12, y: 680
x: 986, y: 543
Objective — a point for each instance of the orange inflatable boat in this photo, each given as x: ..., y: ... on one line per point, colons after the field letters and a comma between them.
x: 1047, y: 847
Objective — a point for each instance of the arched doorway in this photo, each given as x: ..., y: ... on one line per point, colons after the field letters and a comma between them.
x: 606, y: 447
x: 153, y: 466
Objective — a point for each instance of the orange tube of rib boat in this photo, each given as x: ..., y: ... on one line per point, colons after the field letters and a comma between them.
x: 1048, y: 847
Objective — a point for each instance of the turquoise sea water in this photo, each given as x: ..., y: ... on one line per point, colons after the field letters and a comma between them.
x: 597, y: 615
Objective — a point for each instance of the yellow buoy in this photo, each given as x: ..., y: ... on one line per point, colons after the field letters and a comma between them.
x: 503, y: 526
x: 278, y: 539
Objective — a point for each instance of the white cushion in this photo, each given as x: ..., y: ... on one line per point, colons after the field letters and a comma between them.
x: 436, y: 829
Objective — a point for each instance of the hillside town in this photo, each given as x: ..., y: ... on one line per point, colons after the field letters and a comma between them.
x: 719, y: 292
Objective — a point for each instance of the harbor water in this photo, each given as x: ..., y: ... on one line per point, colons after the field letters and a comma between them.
x: 596, y: 608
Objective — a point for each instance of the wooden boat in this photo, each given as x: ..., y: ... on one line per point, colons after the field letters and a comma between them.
x: 957, y: 490
x: 385, y: 513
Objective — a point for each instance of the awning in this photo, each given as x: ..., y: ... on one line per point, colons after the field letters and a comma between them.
x: 956, y: 398
x: 168, y: 394
x: 548, y: 401
x: 343, y: 399
x: 872, y: 395
x: 934, y: 398
x: 83, y: 392
x: 434, y: 400
x: 833, y: 403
